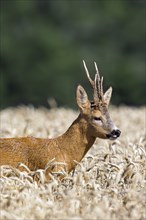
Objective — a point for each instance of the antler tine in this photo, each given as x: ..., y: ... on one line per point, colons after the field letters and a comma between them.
x: 98, y: 78
x: 99, y: 83
x: 96, y: 67
x: 95, y: 90
x: 101, y: 87
x: 87, y: 73
x: 93, y: 83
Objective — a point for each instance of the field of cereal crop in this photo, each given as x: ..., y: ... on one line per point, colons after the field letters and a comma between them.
x: 109, y: 183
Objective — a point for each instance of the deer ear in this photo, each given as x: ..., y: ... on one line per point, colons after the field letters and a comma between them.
x: 107, y: 96
x: 82, y: 98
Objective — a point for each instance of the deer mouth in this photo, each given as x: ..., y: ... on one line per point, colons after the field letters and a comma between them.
x: 114, y: 134
x: 111, y: 137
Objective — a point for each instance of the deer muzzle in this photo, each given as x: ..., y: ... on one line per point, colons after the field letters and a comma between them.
x: 114, y: 134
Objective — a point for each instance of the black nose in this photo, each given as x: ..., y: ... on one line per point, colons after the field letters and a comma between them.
x: 116, y: 133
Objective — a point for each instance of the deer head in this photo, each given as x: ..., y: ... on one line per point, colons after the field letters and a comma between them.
x: 95, y: 113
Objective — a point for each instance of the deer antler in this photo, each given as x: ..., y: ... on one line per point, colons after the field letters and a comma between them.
x: 97, y: 93
x: 100, y: 83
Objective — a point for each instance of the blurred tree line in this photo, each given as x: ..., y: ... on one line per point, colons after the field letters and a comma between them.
x: 43, y: 44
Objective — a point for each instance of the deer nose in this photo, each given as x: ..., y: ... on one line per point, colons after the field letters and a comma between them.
x: 116, y: 133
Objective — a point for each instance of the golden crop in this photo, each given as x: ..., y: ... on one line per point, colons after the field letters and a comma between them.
x: 109, y: 183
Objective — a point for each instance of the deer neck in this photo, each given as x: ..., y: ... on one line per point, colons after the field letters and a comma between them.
x: 76, y: 142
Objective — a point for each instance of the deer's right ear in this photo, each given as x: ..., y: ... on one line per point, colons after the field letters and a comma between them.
x: 82, y: 98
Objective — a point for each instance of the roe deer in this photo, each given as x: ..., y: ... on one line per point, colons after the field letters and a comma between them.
x: 93, y: 121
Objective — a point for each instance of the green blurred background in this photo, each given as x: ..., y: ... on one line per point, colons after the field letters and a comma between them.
x: 43, y: 44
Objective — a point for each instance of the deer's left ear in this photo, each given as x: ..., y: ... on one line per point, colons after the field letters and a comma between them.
x: 107, y: 96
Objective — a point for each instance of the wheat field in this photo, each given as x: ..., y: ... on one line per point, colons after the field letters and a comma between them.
x: 109, y: 183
